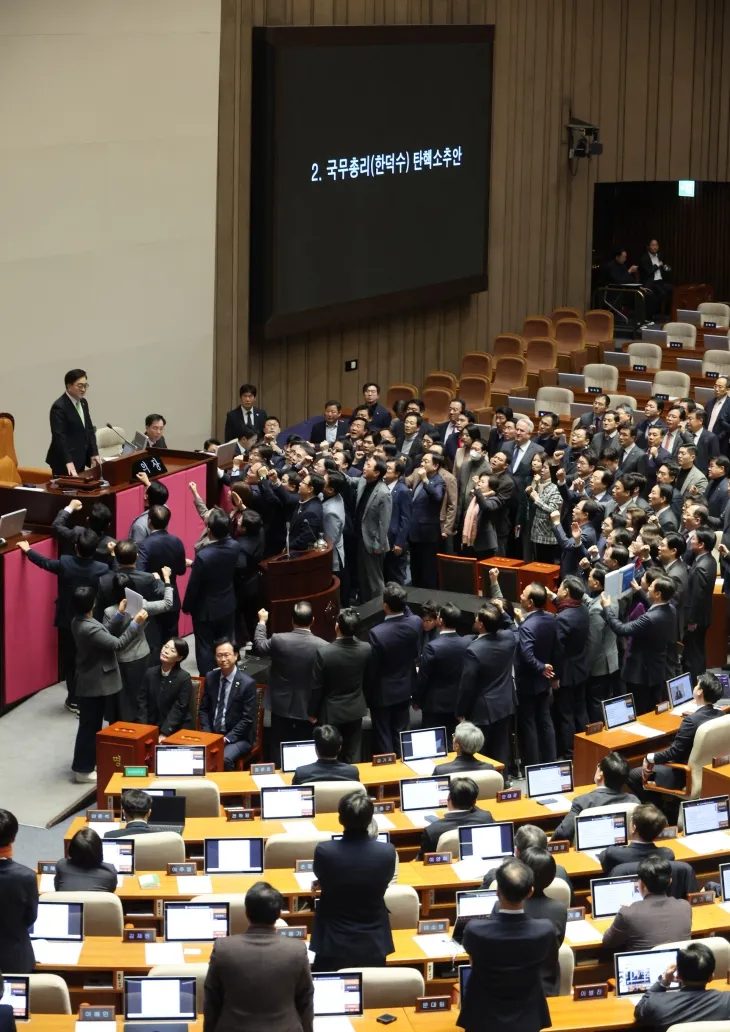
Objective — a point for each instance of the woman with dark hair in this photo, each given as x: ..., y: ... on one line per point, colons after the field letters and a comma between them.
x: 164, y: 698
x: 84, y: 869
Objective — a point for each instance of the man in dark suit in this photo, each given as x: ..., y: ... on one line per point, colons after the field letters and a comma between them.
x: 671, y: 550
x: 73, y: 571
x: 331, y: 428
x: 351, y: 926
x: 705, y: 441
x: 674, y: 437
x: 497, y: 440
x: 572, y: 668
x: 646, y: 824
x: 660, y: 499
x: 607, y: 436
x: 136, y: 810
x: 439, y: 672
x: 462, y: 811
x: 259, y: 979
x: 653, y: 413
x: 520, y: 461
x: 611, y: 774
x: 73, y: 438
x: 717, y: 489
x: 161, y: 548
x: 307, y: 521
x: 327, y: 766
x: 99, y: 520
x: 396, y: 644
x: 338, y: 679
x: 582, y: 536
x: 653, y: 275
x: 424, y: 532
x: 449, y: 431
x: 506, y: 492
x: 394, y: 565
x: 657, y: 918
x: 228, y: 706
x: 508, y: 952
x: 534, y: 673
x: 18, y: 903
x: 486, y: 687
x: 246, y: 419
x: 468, y: 740
x: 632, y: 459
x: 209, y: 597
x: 154, y: 430
x: 694, y: 1002
x: 291, y: 678
x: 698, y: 602
x: 379, y: 415
x: 717, y: 413
x: 594, y: 420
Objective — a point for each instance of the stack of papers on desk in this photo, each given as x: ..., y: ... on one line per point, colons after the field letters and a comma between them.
x: 640, y: 730
x: 64, y: 954
x: 438, y: 945
x: 333, y: 1023
x: 420, y: 818
x: 707, y: 842
x: 578, y: 932
x: 473, y: 868
x: 424, y: 768
x: 47, y: 883
x: 194, y: 883
x: 383, y: 822
x: 301, y: 827
x: 103, y: 828
x: 163, y: 953
x: 269, y: 781
x: 305, y: 879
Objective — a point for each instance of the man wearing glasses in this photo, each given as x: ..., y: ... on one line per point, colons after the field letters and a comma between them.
x: 73, y: 437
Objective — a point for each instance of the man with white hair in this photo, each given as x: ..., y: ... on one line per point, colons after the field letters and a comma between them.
x: 468, y: 740
x: 520, y: 463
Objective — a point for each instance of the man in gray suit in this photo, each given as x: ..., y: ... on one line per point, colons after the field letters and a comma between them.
x: 290, y: 678
x: 657, y: 918
x: 691, y: 479
x: 695, y: 967
x: 372, y: 519
x: 333, y: 517
x: 259, y: 980
x: 97, y: 675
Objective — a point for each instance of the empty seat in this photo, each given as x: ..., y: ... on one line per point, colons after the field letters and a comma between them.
x: 570, y: 334
x: 283, y: 850
x: 564, y: 312
x: 509, y: 373
x: 441, y: 378
x: 475, y: 390
x: 668, y: 381
x: 614, y: 400
x: 202, y: 797
x: 558, y: 889
x: 489, y: 782
x: 109, y: 441
x: 48, y: 995
x: 599, y: 326
x: 715, y: 311
x: 681, y: 331
x: 400, y: 392
x: 390, y: 987
x: 154, y: 851
x: 436, y: 402
x: 649, y: 355
x: 103, y: 914
x: 554, y: 399
x: 403, y: 906
x: 536, y: 326
x: 596, y: 374
x: 479, y: 362
x: 541, y: 353
x: 327, y: 794
x: 507, y: 344
x: 716, y: 361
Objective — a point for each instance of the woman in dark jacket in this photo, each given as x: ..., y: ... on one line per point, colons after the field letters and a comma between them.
x: 164, y: 698
x: 84, y: 870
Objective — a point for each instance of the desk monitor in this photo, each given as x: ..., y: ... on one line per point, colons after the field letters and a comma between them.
x: 141, y: 441
x: 383, y: 836
x: 283, y: 804
x: 424, y: 793
x: 725, y: 682
x: 195, y: 922
x: 337, y: 993
x: 296, y: 754
x: 226, y: 453
x: 16, y: 994
x: 119, y: 853
x: 638, y: 970
x: 679, y: 690
x: 725, y: 882
x: 180, y: 760
x: 600, y: 830
x: 161, y: 792
x: 423, y: 744
x: 61, y: 922
x: 618, y: 711
x: 610, y: 894
x: 476, y: 903
x: 709, y: 814
x: 573, y: 381
x: 549, y: 778
x: 161, y: 999
x: 689, y: 316
x: 234, y: 855
x: 12, y: 523
x: 168, y: 811
x: 464, y: 973
x: 486, y: 841
x: 655, y: 337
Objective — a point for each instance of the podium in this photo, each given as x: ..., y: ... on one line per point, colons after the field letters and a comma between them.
x: 214, y: 759
x: 301, y: 576
x: 122, y: 744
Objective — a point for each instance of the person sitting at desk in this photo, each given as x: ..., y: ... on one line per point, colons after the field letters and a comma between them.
x: 136, y: 809
x: 154, y: 430
x: 656, y: 918
x: 228, y: 706
x: 18, y: 902
x: 84, y: 869
x: 327, y: 742
x: 468, y: 740
x: 611, y: 774
x: 462, y: 810
x: 166, y: 691
x: 529, y: 836
x: 646, y: 824
x: 695, y: 967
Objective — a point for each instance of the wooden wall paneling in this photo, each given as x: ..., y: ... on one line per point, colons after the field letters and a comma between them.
x: 666, y: 75
x: 607, y: 66
x: 700, y: 91
x: 653, y: 64
x: 723, y: 164
x: 580, y: 189
x: 682, y: 97
x: 635, y: 100
x: 537, y: 158
x: 493, y: 305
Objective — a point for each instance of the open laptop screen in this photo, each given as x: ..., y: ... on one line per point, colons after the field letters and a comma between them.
x: 62, y: 922
x: 679, y: 690
x: 234, y: 855
x: 475, y: 904
x: 638, y: 970
x: 618, y: 711
x: 161, y: 999
x: 423, y: 744
x: 16, y: 994
x: 195, y: 922
x: 297, y: 754
x: 424, y: 793
x: 180, y: 760
x: 487, y: 841
x: 119, y: 853
x: 610, y: 894
x: 548, y: 778
x: 281, y: 804
x: 600, y: 830
x: 705, y: 815
x: 337, y: 993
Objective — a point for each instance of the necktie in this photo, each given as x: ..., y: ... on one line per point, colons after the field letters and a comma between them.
x: 515, y: 460
x: 220, y: 710
x: 667, y: 442
x: 77, y: 406
x: 248, y: 419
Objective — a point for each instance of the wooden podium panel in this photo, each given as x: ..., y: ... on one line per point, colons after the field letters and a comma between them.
x: 716, y: 641
x: 304, y: 576
x: 122, y: 744
x: 325, y: 606
x: 543, y: 573
x: 214, y: 759
x: 688, y: 296
x: 508, y: 580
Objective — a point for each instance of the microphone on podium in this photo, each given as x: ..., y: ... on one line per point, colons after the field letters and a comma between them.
x: 121, y: 437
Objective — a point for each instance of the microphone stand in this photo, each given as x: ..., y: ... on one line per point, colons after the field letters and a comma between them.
x: 121, y: 437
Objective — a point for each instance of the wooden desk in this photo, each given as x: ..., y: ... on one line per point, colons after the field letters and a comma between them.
x: 715, y: 780
x: 67, y: 1022
x: 589, y: 749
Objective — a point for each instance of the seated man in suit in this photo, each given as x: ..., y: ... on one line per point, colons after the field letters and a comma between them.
x: 136, y: 810
x: 228, y: 705
x: 327, y: 742
x: 611, y: 774
x: 463, y: 810
x: 508, y: 952
x: 695, y: 967
x: 646, y: 824
x: 468, y: 740
x: 529, y: 837
x: 656, y: 918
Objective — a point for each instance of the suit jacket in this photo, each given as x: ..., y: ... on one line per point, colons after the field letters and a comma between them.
x: 508, y: 953
x: 209, y: 594
x: 351, y: 919
x: 291, y: 678
x: 452, y: 820
x: 653, y: 465
x: 523, y: 474
x: 634, y: 462
x: 535, y: 648
x: 679, y: 573
x: 572, y: 553
x: 18, y: 910
x: 235, y: 424
x: 700, y: 586
x: 333, y: 520
x: 163, y: 549
x: 145, y: 584
x: 545, y: 908
x: 72, y: 572
x: 307, y: 523
x: 318, y: 433
x: 496, y: 442
x: 490, y: 508
x: 509, y: 496
x: 695, y: 478
x: 643, y: 426
x: 633, y: 853
x: 380, y: 418
x: 70, y: 878
x: 601, y: 645
x: 97, y: 669
x: 439, y: 672
x: 7, y: 1019
x: 71, y: 440
x: 240, y: 717
x: 165, y: 701
x: 571, y: 628
x: 375, y: 517
x: 602, y: 440
x: 660, y: 1009
x: 668, y: 522
x: 338, y: 681
x: 717, y: 499
x: 396, y: 645
x: 681, y: 746
x: 652, y: 921
x: 68, y: 534
x: 647, y: 269
x: 649, y: 658
x: 707, y: 447
x: 400, y: 516
x: 325, y: 770
x: 461, y: 765
x: 601, y: 796
x: 426, y: 502
x: 721, y: 426
x: 486, y: 686
x: 132, y: 828
x: 259, y: 981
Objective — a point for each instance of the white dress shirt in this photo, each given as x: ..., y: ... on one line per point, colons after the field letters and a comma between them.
x: 655, y: 261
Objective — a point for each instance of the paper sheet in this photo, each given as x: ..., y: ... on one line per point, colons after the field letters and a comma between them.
x: 473, y: 869
x: 725, y: 907
x: 336, y: 1023
x: 383, y: 822
x: 99, y: 1026
x: 707, y: 842
x: 103, y: 828
x: 47, y: 883
x: 163, y: 953
x: 135, y: 602
x: 305, y: 879
x: 298, y: 828
x: 269, y: 781
x: 197, y: 884
x: 424, y: 768
x: 437, y: 946
x: 641, y: 730
x: 559, y: 804
x: 592, y: 853
x: 577, y: 932
x: 418, y: 817
x: 687, y: 707
x: 63, y: 954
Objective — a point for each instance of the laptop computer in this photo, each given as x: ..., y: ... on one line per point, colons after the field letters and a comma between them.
x: 168, y: 811
x: 59, y: 922
x: 545, y: 779
x: 689, y: 316
x: 709, y: 814
x: 180, y: 761
x: 725, y: 682
x: 573, y: 381
x: 141, y: 441
x: 655, y: 337
x: 486, y: 841
x: 11, y: 523
x: 608, y: 895
x: 600, y: 830
x: 285, y: 804
x: 234, y: 855
x: 119, y: 853
x: 619, y: 711
x: 638, y: 388
x: 424, y: 793
x: 690, y: 366
x: 297, y: 754
x: 579, y: 408
x: 16, y: 994
x: 154, y: 998
x: 226, y: 453
x: 464, y: 973
x: 196, y: 922
x: 619, y: 359
x: 420, y: 748
x: 717, y: 341
x: 679, y: 690
x: 725, y: 882
x: 478, y: 904
x: 337, y: 993
x: 639, y: 969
